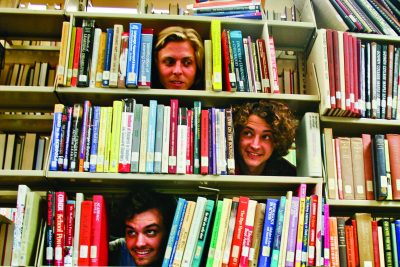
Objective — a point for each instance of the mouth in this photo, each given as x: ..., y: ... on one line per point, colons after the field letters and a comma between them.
x: 142, y: 252
x: 177, y: 83
x: 254, y: 155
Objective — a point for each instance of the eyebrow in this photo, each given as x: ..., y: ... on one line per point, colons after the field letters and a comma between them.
x: 264, y: 131
x: 146, y: 227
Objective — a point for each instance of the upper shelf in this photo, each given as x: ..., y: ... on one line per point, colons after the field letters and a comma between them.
x: 27, y: 24
x: 290, y: 35
x: 104, y: 96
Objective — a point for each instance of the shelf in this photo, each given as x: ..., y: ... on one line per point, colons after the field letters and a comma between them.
x: 27, y: 98
x: 105, y: 96
x: 10, y: 179
x: 364, y: 203
x: 232, y: 184
x: 34, y: 48
x: 31, y: 24
x: 26, y: 123
x: 357, y: 126
x: 377, y: 37
x: 376, y: 208
x: 291, y: 35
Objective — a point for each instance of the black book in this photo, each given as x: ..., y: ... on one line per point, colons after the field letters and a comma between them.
x: 76, y: 131
x: 379, y: 167
x: 85, y: 53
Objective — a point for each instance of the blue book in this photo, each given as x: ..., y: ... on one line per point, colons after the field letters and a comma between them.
x: 278, y: 232
x: 397, y: 230
x: 84, y: 132
x: 304, y: 249
x: 205, y: 226
x: 271, y: 211
x: 137, y: 124
x: 179, y: 212
x: 67, y: 139
x: 151, y: 137
x: 210, y: 143
x: 239, y: 60
x: 146, y: 51
x: 394, y: 240
x: 159, y: 138
x: 56, y: 132
x: 133, y: 60
x: 107, y: 57
x: 95, y: 139
x: 176, y: 239
x: 292, y: 234
x: 213, y: 128
x: 86, y: 162
x: 225, y: 13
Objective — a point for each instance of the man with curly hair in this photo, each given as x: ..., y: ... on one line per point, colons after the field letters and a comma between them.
x: 264, y: 132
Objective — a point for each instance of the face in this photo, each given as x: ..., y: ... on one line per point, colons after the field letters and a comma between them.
x: 255, y: 144
x: 177, y: 65
x: 144, y: 234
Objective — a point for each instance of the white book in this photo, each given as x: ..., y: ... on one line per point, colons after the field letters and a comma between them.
x: 165, y: 144
x: 222, y: 231
x: 23, y: 191
x: 222, y: 140
x: 116, y: 47
x: 43, y: 73
x: 181, y: 141
x: 248, y: 69
x: 95, y: 55
x: 285, y: 229
x: 380, y: 246
x: 194, y: 232
x: 79, y: 197
x: 143, y: 140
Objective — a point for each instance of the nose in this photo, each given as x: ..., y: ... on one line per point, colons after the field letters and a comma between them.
x: 177, y: 68
x: 141, y: 240
x: 255, y: 142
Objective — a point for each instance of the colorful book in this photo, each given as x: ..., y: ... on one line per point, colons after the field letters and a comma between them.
x: 137, y: 125
x: 107, y: 57
x: 85, y: 52
x: 85, y: 232
x: 238, y: 233
x: 95, y: 138
x: 127, y: 120
x: 146, y: 51
x: 56, y: 134
x: 165, y: 142
x: 133, y: 61
x: 115, y: 54
x: 151, y: 136
x: 174, y: 105
x: 159, y: 138
x: 99, y: 234
x: 214, y: 234
x: 216, y: 52
x: 115, y: 135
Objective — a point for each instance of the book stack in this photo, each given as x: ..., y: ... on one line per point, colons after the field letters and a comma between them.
x: 366, y: 16
x: 118, y: 57
x: 357, y: 78
x: 23, y: 151
x: 243, y: 232
x: 363, y: 167
x: 6, y: 235
x: 362, y: 240
x: 247, y: 9
x: 37, y: 74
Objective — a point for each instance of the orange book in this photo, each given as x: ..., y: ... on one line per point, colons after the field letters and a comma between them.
x: 375, y: 243
x: 59, y: 231
x: 364, y: 236
x: 356, y: 257
x: 333, y: 242
x: 350, y: 250
x: 204, y: 142
x: 85, y: 232
x: 77, y: 54
x: 368, y: 174
x: 394, y: 158
x: 99, y: 235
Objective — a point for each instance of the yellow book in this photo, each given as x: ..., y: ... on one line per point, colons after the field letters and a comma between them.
x: 216, y: 55
x: 208, y: 65
x: 115, y: 135
x: 109, y: 112
x: 222, y: 231
x: 71, y: 56
x: 187, y: 221
x: 143, y: 140
x: 102, y: 140
x: 100, y: 61
x: 63, y: 53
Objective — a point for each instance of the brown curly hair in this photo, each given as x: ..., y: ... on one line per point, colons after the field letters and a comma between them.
x: 276, y: 114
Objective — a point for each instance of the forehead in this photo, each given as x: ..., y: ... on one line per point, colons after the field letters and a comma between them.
x: 177, y: 49
x: 257, y: 123
x: 143, y: 219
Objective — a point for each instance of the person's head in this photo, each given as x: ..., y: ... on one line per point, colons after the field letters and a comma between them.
x: 148, y: 219
x: 179, y: 56
x: 263, y: 130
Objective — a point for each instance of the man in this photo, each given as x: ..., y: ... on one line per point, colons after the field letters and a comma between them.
x: 147, y: 220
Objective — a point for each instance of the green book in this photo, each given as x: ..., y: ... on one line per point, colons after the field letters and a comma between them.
x: 214, y: 235
x: 196, y: 137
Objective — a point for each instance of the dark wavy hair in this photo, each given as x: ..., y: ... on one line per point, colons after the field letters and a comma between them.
x: 279, y: 117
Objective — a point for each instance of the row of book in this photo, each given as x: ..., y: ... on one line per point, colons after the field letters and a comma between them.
x: 279, y: 232
x: 361, y: 78
x: 37, y: 74
x: 362, y: 167
x: 90, y: 57
x: 131, y: 137
x: 364, y: 240
x: 367, y: 16
x: 248, y: 9
x: 23, y: 151
x: 6, y: 235
x: 234, y: 62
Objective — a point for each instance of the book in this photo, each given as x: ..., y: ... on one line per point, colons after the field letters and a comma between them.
x: 271, y: 210
x: 329, y: 163
x: 99, y: 235
x: 364, y: 236
x: 151, y: 136
x: 146, y: 49
x: 292, y: 233
x: 143, y: 139
x: 215, y: 31
x: 107, y: 57
x: 387, y: 245
x: 63, y: 53
x: 334, y: 242
x: 77, y: 50
x: 239, y: 61
x: 115, y: 55
x: 222, y: 231
x: 312, y: 229
x: 228, y: 66
x: 100, y: 60
x: 95, y: 57
x: 115, y: 135
x: 254, y: 251
x: 172, y: 161
x: 214, y: 234
x: 309, y: 161
x: 69, y: 231
x: 59, y: 228
x: 28, y: 152
x: 341, y: 237
x: 231, y: 228
x: 136, y: 131
x: 379, y: 167
x: 79, y: 197
x: 208, y: 65
x: 94, y: 138
x: 86, y: 50
x: 263, y: 64
x: 159, y: 138
x: 248, y: 232
x: 238, y: 233
x: 165, y: 141
x: 127, y: 120
x: 122, y: 64
x: 394, y: 153
x: 133, y: 60
x: 84, y: 134
x: 196, y: 136
x: 277, y: 238
x: 85, y: 231
x: 75, y: 134
x: 204, y: 142
x: 346, y: 168
x: 56, y: 132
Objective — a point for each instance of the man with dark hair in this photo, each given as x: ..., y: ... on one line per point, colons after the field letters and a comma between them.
x: 147, y: 219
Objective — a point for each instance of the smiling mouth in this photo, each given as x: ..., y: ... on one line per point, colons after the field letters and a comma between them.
x: 143, y: 252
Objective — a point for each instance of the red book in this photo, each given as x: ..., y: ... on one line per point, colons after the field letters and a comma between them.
x: 347, y: 76
x: 51, y: 198
x: 173, y: 136
x: 394, y: 158
x: 337, y: 97
x: 263, y: 63
x: 273, y: 77
x: 354, y: 99
x: 333, y: 243
x: 222, y: 3
x: 350, y: 250
x: 374, y: 225
x: 69, y: 231
x: 99, y: 235
x: 77, y: 53
x: 238, y: 232
x: 331, y: 67
x: 368, y: 171
x: 313, y: 229
x: 189, y: 148
x: 356, y: 256
x: 59, y: 232
x: 226, y: 56
x: 85, y: 232
x: 204, y: 142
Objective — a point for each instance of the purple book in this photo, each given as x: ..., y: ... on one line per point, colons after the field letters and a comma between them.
x: 292, y: 234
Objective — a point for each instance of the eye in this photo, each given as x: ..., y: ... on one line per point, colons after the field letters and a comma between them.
x: 151, y: 233
x: 187, y: 62
x: 130, y: 233
x: 169, y: 61
x: 247, y: 133
x: 267, y: 137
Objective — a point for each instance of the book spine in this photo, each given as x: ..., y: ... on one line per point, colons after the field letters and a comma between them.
x: 76, y: 129
x: 86, y: 163
x: 215, y: 9
x: 115, y: 54
x: 238, y: 233
x: 230, y: 141
x: 135, y: 36
x: 231, y: 228
x: 396, y: 76
x: 302, y: 191
x: 85, y: 231
x: 59, y: 230
x: 229, y: 74
x: 100, y: 60
x: 56, y: 133
x: 95, y: 57
x: 379, y: 167
x: 214, y: 234
x: 63, y: 133
x: 239, y: 60
x: 127, y: 119
x: 67, y: 145
x: 69, y: 231
x: 79, y: 197
x: 216, y: 52
x: 173, y: 136
x: 293, y: 223
x: 176, y: 238
x: 137, y: 124
x: 165, y: 142
x: 107, y: 57
x: 196, y: 136
x: 77, y: 52
x: 387, y: 246
x: 49, y: 257
x: 256, y: 67
x: 83, y: 136
x: 254, y: 252
x: 189, y: 146
x: 85, y: 53
x: 122, y: 62
x: 263, y: 63
x: 151, y: 136
x: 271, y: 56
x: 95, y: 138
x: 98, y: 257
x: 143, y: 139
x: 159, y: 139
x: 313, y: 227
x: 204, y: 142
x: 115, y: 135
x: 275, y: 254
x: 181, y: 141
x: 107, y: 148
x: 63, y: 53
x: 249, y: 68
x: 146, y: 49
x: 248, y: 232
x: 341, y: 241
x: 268, y: 232
x: 101, y: 140
x: 304, y: 249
